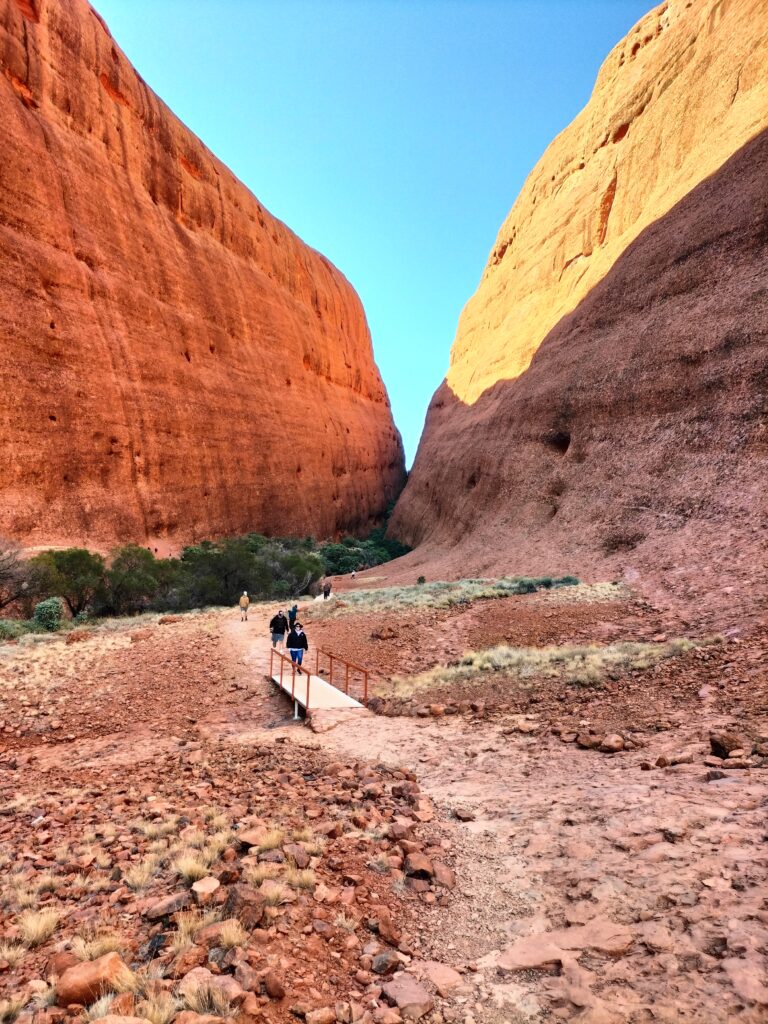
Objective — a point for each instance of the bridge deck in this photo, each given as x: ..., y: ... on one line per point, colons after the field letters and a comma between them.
x: 309, y: 691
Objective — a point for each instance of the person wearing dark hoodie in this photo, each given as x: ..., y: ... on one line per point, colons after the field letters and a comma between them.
x: 293, y: 614
x: 297, y: 644
x: 278, y: 627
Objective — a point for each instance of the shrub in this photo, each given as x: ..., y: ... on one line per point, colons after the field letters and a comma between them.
x: 421, y: 580
x: 35, y: 926
x: 49, y: 614
x: 74, y: 574
x: 130, y: 582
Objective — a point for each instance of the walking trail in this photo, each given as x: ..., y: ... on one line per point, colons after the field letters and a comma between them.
x: 585, y: 885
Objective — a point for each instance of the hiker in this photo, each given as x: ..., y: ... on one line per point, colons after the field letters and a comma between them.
x: 326, y: 590
x: 297, y: 644
x: 278, y: 627
x: 293, y: 614
x: 244, y: 602
x: 354, y: 573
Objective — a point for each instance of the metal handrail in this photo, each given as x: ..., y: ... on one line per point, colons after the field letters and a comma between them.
x: 303, y: 670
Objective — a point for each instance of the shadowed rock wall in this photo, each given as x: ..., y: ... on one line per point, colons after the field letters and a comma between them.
x: 176, y: 363
x: 635, y: 442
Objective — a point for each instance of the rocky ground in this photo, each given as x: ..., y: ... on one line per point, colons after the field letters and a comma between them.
x: 176, y: 848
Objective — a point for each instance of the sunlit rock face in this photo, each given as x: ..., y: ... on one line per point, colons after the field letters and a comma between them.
x: 673, y: 101
x: 176, y: 363
x: 606, y: 395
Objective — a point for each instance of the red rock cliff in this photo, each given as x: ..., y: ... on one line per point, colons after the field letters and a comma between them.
x: 176, y: 363
x: 606, y: 396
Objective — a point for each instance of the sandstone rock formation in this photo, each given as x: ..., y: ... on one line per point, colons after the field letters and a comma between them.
x: 176, y: 362
x: 606, y: 396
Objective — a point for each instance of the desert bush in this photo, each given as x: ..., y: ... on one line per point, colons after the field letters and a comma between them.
x: 207, y: 999
x: 49, y: 614
x: 130, y: 582
x: 12, y: 629
x: 74, y: 574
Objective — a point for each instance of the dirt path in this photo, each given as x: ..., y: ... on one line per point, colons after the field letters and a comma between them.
x: 588, y: 888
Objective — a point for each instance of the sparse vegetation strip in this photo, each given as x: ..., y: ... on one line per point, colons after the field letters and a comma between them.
x: 439, y: 594
x: 586, y: 665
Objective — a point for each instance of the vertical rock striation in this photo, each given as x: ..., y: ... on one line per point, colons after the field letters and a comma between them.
x: 176, y: 363
x: 606, y: 394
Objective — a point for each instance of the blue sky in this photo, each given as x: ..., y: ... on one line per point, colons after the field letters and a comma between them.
x: 392, y: 135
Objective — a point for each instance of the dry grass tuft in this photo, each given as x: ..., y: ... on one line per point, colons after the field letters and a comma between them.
x: 191, y: 865
x: 140, y: 875
x: 129, y: 981
x: 91, y: 944
x: 298, y: 879
x: 276, y: 894
x: 271, y: 840
x: 11, y: 1008
x: 206, y: 999
x: 46, y: 881
x: 256, y: 875
x: 218, y: 842
x: 159, y: 1008
x: 188, y: 924
x: 345, y: 923
x: 12, y: 952
x: 36, y: 926
x: 577, y: 665
x: 101, y: 1008
x: 232, y: 934
x: 302, y: 835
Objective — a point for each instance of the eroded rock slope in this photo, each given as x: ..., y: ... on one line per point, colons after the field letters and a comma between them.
x: 176, y: 362
x: 606, y: 397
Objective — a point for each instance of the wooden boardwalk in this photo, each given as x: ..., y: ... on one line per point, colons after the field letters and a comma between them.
x: 307, y: 691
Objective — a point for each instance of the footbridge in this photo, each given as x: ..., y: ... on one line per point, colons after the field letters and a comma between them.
x: 310, y: 691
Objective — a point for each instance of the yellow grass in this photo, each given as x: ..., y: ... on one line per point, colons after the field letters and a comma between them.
x: 232, y: 934
x: 438, y: 594
x: 191, y: 866
x: 206, y: 999
x: 581, y: 665
x: 298, y: 879
x: 271, y: 840
x: 159, y: 1008
x: 140, y: 875
x: 12, y: 952
x: 11, y: 1008
x: 188, y: 924
x: 35, y: 926
x: 256, y: 875
x: 90, y: 944
x: 100, y: 1008
x: 276, y: 895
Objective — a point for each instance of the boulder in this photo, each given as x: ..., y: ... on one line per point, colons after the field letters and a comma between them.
x: 86, y: 981
x: 408, y: 995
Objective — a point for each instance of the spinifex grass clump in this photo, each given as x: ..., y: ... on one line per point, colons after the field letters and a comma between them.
x: 438, y: 594
x: 577, y: 665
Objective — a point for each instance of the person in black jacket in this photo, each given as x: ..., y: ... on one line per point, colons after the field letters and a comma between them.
x: 278, y: 627
x: 297, y: 644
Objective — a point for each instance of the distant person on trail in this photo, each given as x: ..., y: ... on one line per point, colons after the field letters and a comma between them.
x: 326, y: 590
x: 297, y: 644
x: 293, y: 614
x: 354, y: 573
x: 278, y: 627
x: 244, y: 602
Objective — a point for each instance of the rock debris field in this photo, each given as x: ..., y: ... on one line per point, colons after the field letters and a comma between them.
x: 175, y: 848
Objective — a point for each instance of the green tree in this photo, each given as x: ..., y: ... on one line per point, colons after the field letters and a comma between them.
x: 131, y: 581
x: 74, y: 574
